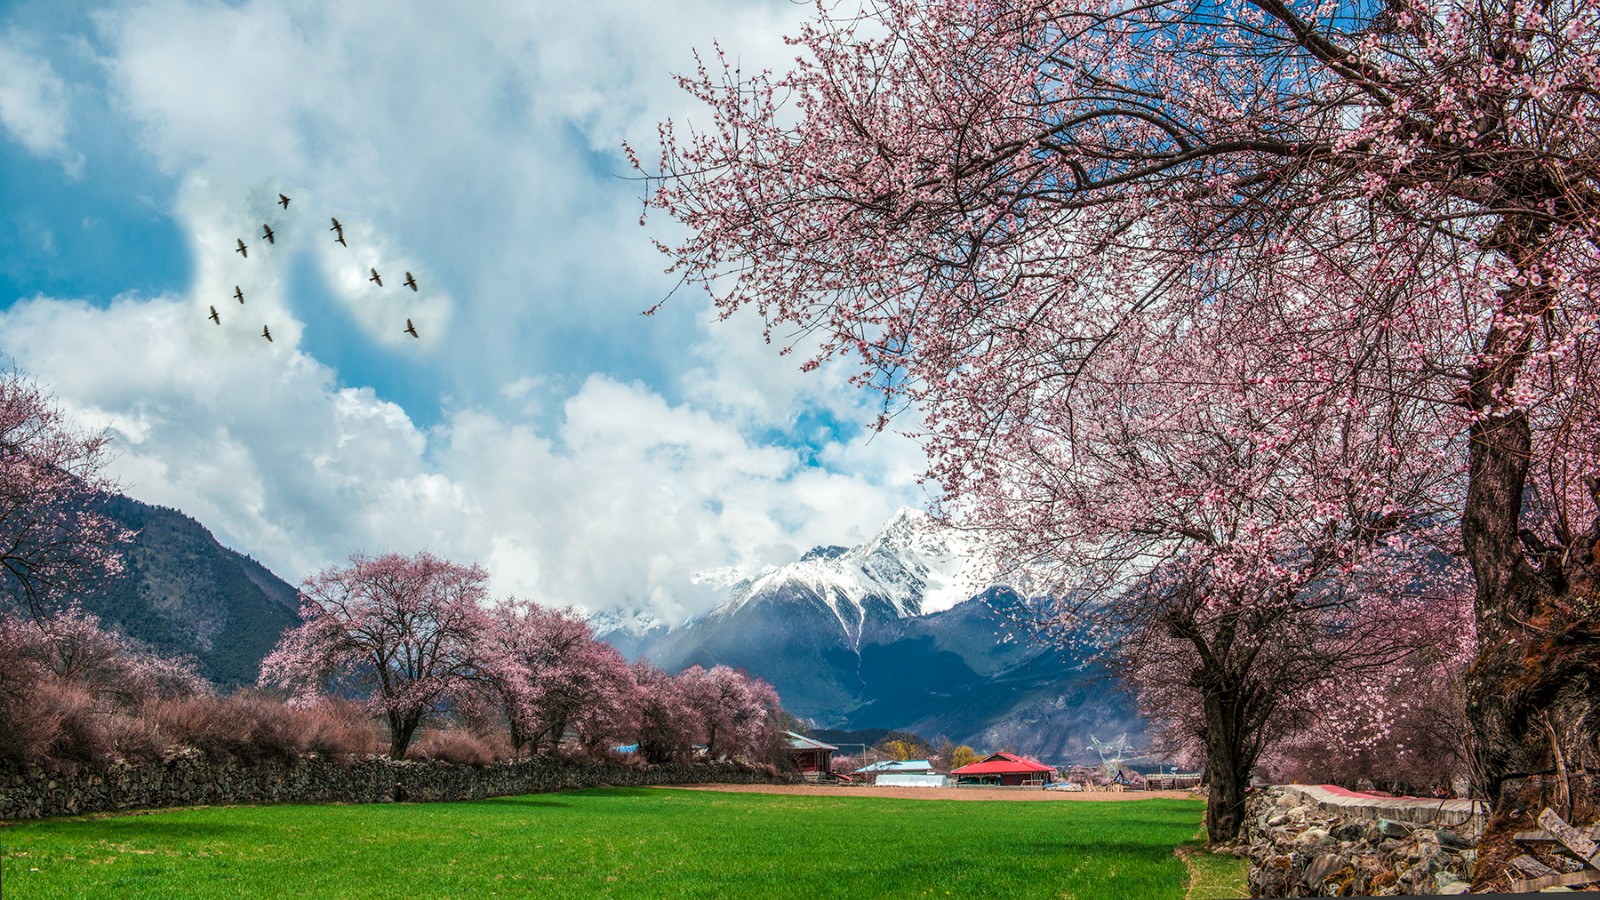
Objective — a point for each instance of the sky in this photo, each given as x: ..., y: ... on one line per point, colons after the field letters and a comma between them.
x: 539, y: 425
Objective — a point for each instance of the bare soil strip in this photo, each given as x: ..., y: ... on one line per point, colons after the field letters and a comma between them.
x: 921, y: 793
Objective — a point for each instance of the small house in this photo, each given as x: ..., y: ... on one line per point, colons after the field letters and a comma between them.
x: 1004, y: 770
x: 813, y: 758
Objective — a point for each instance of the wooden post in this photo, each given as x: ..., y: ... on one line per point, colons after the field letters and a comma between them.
x: 1571, y: 838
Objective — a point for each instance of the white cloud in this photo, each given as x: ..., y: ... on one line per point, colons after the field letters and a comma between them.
x: 485, y: 141
x: 33, y: 105
x: 619, y: 506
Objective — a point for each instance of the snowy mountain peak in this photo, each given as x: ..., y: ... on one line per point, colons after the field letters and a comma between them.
x: 913, y: 566
x: 615, y: 621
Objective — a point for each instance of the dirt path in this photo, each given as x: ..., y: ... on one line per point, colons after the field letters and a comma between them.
x: 921, y: 793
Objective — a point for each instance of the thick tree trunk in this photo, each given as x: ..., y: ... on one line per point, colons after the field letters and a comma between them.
x: 1228, y: 766
x: 402, y: 728
x: 1533, y: 689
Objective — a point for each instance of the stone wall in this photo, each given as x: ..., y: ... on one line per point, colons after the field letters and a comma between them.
x: 1316, y: 841
x: 194, y: 780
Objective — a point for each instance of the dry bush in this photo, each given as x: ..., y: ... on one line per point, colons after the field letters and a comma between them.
x: 80, y: 725
x: 251, y: 726
x: 338, y: 729
x: 460, y: 746
x: 198, y: 723
x: 136, y: 738
x: 31, y: 724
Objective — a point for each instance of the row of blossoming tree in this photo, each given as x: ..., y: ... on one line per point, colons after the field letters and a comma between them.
x: 420, y: 639
x: 1216, y: 317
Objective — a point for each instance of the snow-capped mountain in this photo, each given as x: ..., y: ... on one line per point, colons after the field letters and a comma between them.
x: 911, y: 567
x: 902, y: 631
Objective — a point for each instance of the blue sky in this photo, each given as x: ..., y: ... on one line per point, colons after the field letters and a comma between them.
x: 541, y: 425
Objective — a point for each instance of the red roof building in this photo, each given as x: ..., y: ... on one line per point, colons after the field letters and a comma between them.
x: 1005, y: 769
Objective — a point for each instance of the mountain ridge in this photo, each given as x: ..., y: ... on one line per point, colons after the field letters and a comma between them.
x: 869, y: 637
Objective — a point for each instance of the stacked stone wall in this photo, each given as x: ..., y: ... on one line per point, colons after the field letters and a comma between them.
x: 1307, y: 841
x: 194, y: 780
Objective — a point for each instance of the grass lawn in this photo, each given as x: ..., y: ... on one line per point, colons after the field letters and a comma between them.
x: 618, y: 842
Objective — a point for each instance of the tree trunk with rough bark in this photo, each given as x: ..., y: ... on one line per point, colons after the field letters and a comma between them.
x: 402, y: 728
x: 1228, y: 761
x: 1533, y: 690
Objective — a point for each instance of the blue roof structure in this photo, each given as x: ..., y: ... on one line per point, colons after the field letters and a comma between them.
x: 902, y: 766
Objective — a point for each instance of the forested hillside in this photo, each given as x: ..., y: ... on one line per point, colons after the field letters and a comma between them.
x: 183, y: 592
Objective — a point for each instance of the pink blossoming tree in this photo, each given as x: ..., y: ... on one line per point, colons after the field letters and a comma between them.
x: 52, y: 539
x: 668, y: 726
x: 407, y: 629
x: 554, y: 678
x: 737, y: 713
x: 977, y: 197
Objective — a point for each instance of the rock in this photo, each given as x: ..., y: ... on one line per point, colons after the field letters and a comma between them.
x: 1348, y: 831
x: 1321, y: 867
x: 1309, y: 836
x: 1392, y: 829
x: 1277, y: 820
x: 1445, y: 883
x: 1284, y: 801
x: 1448, y: 838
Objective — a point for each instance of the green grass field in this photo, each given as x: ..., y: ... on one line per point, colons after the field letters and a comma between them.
x: 615, y: 842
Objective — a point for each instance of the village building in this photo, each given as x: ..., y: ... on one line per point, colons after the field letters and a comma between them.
x: 1005, y: 770
x: 897, y: 767
x: 813, y: 758
x: 902, y: 773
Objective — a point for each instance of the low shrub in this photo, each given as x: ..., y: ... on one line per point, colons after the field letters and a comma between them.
x: 338, y: 729
x: 250, y: 726
x: 461, y: 746
x: 80, y: 726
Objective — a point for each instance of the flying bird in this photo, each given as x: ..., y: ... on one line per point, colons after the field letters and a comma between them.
x: 214, y: 316
x: 238, y: 294
x: 242, y: 251
x: 411, y: 329
x: 266, y: 232
x: 283, y: 201
x: 375, y: 277
x: 411, y: 282
x: 266, y: 334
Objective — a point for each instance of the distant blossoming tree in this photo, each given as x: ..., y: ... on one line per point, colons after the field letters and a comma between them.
x: 737, y: 712
x: 1404, y: 723
x: 408, y: 629
x: 668, y: 726
x: 553, y: 677
x: 53, y: 539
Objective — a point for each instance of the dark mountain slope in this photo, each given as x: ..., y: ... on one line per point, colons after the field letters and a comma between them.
x: 184, y: 593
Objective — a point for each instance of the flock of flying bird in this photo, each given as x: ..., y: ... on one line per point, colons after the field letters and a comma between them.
x: 269, y: 236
